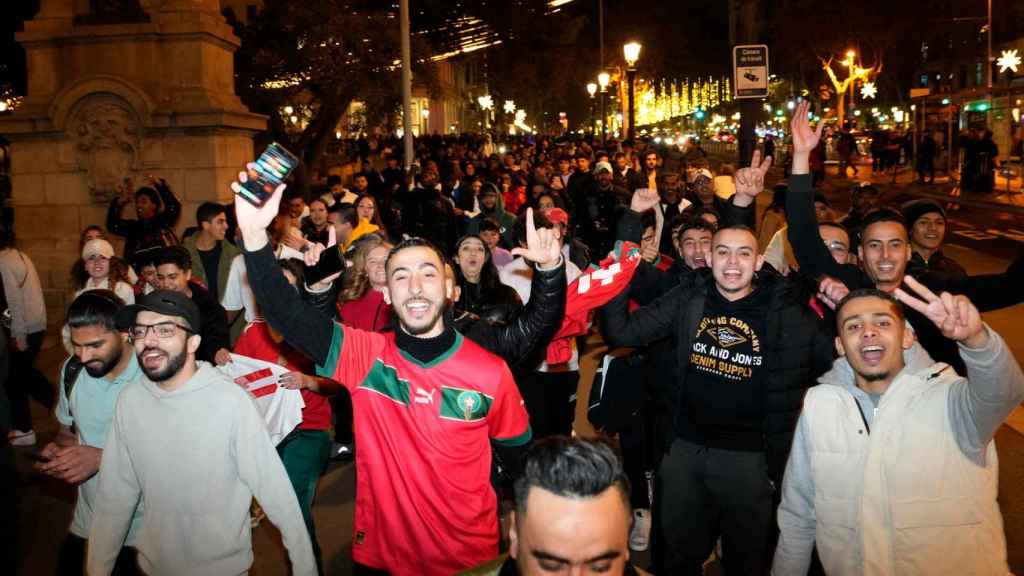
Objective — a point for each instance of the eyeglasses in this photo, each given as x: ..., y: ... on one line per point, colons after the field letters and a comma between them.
x: 163, y: 330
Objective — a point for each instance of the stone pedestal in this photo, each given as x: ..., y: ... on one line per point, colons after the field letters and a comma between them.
x: 108, y: 100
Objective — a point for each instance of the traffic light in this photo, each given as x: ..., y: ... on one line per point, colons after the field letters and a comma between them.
x: 699, y: 114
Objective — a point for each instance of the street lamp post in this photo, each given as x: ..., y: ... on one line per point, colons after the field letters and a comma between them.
x: 631, y: 52
x: 602, y: 80
x: 592, y: 90
x: 850, y: 59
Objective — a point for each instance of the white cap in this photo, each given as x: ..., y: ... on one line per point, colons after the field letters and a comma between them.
x: 97, y: 246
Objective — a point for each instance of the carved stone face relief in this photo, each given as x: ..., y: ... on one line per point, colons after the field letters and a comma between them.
x: 106, y: 135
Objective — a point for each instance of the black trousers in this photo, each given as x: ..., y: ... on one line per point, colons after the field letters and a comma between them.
x: 71, y: 559
x: 26, y: 380
x: 705, y: 493
x: 549, y: 399
x: 341, y: 405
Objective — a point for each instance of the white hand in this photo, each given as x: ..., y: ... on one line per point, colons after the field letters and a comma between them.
x: 253, y: 221
x: 955, y: 315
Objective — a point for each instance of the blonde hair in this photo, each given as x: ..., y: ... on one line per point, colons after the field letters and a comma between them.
x: 357, y: 282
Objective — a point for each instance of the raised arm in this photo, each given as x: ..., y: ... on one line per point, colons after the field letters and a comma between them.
x: 810, y: 251
x: 542, y: 316
x: 172, y: 206
x: 741, y: 208
x: 116, y: 224
x: 994, y: 384
x: 301, y: 324
x: 534, y: 327
x: 645, y: 325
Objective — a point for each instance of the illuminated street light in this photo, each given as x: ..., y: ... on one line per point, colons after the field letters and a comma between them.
x: 631, y: 52
x: 790, y: 105
x: 1008, y: 61
x: 426, y: 113
x: 591, y: 88
x: 602, y: 80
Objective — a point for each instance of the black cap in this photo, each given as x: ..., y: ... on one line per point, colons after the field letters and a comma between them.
x: 916, y: 208
x: 163, y: 302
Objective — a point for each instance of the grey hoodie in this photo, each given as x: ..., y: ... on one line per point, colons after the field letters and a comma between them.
x: 197, y: 456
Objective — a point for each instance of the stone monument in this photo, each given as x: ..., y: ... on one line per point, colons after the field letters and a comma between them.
x: 116, y: 89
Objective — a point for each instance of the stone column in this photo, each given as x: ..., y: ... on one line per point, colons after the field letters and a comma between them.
x: 109, y: 101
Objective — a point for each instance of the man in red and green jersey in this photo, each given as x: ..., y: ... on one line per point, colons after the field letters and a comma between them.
x: 426, y: 401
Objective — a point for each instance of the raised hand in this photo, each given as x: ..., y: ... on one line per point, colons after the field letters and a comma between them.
x: 805, y: 138
x: 750, y: 180
x: 955, y: 315
x: 542, y: 246
x: 831, y: 291
x: 312, y: 254
x: 644, y: 199
x: 253, y: 221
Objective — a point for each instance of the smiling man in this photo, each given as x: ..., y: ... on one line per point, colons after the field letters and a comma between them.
x: 190, y: 444
x: 893, y: 469
x: 427, y: 404
x: 85, y: 408
x: 746, y: 349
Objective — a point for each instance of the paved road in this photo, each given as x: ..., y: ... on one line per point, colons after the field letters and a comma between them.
x: 47, y: 504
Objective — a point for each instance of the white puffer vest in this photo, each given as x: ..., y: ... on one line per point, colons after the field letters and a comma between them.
x: 903, y: 499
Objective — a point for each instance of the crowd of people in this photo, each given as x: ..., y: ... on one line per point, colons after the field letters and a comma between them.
x: 804, y: 393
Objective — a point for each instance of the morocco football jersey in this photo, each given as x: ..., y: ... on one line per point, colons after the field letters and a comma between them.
x: 424, y: 502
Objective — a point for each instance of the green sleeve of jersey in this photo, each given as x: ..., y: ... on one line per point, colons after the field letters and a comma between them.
x: 330, y: 368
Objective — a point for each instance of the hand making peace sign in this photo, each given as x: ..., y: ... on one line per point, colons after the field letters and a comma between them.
x: 955, y: 315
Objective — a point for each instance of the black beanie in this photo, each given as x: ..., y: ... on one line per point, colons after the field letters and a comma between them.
x: 916, y: 208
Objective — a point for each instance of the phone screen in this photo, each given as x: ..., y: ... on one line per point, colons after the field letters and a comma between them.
x: 271, y: 168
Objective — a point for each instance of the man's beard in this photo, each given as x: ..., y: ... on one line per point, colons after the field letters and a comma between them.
x: 426, y: 327
x: 173, y: 366
x: 874, y: 377
x: 106, y: 365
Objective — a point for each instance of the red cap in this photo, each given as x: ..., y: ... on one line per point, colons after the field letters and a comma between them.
x: 557, y: 216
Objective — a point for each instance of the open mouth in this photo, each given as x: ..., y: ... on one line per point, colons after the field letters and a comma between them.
x: 152, y: 356
x: 417, y: 308
x: 732, y: 275
x: 872, y: 354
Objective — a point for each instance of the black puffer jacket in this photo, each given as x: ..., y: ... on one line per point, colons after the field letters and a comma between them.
x: 798, y: 350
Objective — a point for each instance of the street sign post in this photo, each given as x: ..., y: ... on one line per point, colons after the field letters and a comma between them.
x: 750, y: 71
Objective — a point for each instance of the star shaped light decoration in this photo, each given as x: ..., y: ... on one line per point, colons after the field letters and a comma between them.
x: 509, y: 107
x: 485, y: 102
x: 868, y: 90
x: 1009, y: 60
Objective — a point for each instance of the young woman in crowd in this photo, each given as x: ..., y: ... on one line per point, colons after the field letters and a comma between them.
x: 366, y: 209
x: 99, y: 269
x: 315, y: 227
x: 361, y: 300
x: 480, y: 290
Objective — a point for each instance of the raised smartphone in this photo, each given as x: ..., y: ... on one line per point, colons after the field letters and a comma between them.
x: 271, y: 168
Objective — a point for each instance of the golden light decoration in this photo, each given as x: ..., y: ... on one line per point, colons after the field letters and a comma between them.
x: 662, y: 100
x: 509, y: 107
x: 485, y: 102
x: 1009, y: 60
x: 868, y: 90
